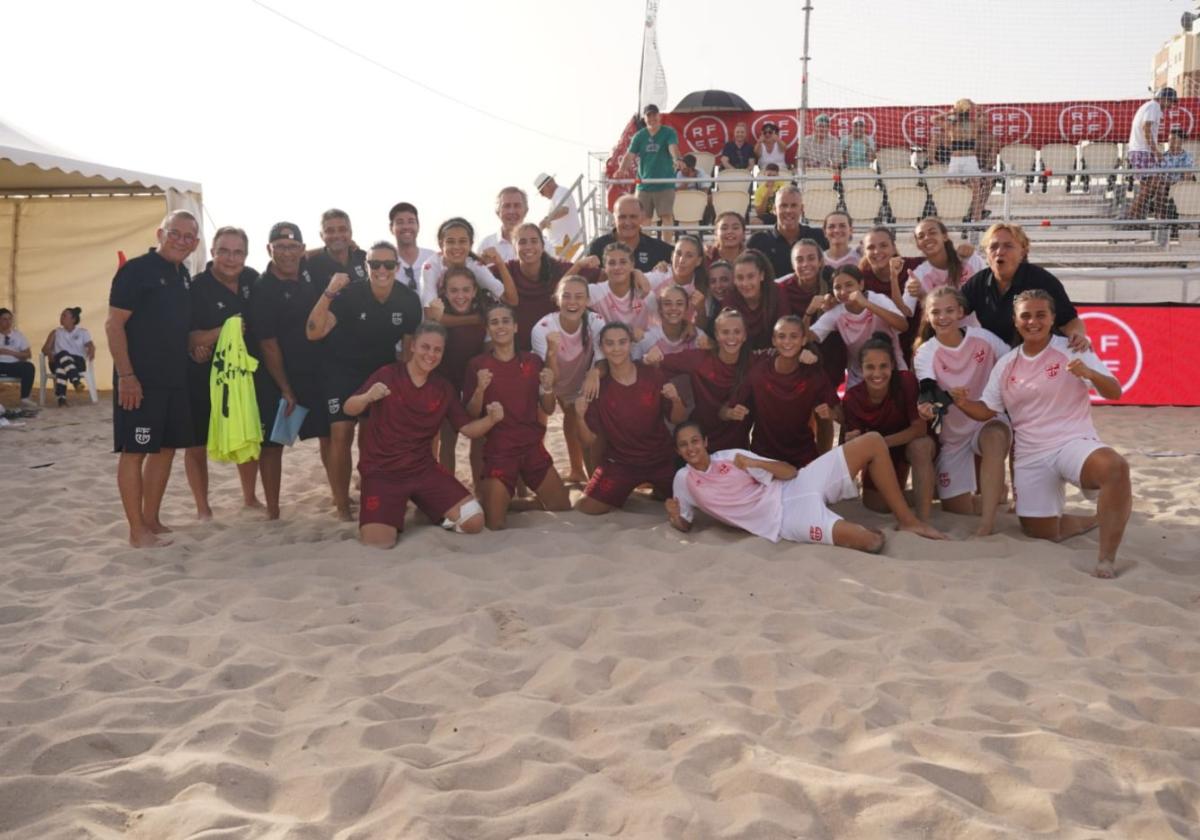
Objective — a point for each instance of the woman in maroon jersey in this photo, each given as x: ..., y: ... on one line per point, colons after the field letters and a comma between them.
x: 786, y: 394
x: 885, y: 272
x: 720, y: 381
x: 720, y: 287
x: 631, y: 412
x: 886, y: 402
x: 731, y: 238
x: 405, y: 404
x: 757, y: 297
x: 514, y: 448
x: 535, y: 275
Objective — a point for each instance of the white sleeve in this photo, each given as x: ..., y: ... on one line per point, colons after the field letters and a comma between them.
x: 595, y: 325
x: 537, y: 338
x: 910, y: 301
x: 20, y: 342
x: 993, y: 392
x: 85, y: 336
x: 998, y: 347
x: 687, y: 505
x: 597, y: 292
x: 649, y: 339
x: 827, y: 323
x: 975, y: 264
x: 485, y: 279
x: 431, y: 273
x: 1093, y: 361
x: 884, y: 302
x: 757, y: 473
x: 923, y: 361
x: 658, y: 278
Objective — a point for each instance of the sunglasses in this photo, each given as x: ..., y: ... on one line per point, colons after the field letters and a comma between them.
x: 390, y: 265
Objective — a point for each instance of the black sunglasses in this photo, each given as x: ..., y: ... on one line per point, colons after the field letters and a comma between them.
x: 390, y: 265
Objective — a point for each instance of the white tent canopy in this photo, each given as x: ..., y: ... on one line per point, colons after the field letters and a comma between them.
x: 63, y: 224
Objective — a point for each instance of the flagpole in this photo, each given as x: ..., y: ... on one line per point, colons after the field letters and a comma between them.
x: 802, y: 114
x: 642, y: 58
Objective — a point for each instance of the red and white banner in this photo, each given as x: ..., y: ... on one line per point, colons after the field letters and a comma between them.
x: 1034, y: 123
x: 1147, y: 348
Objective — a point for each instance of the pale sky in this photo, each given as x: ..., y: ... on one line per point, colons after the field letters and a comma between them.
x: 277, y: 123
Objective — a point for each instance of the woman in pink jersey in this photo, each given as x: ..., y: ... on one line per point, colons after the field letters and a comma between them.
x: 944, y: 265
x: 624, y: 296
x: 856, y: 316
x: 886, y: 402
x: 1043, y: 385
x: 514, y: 448
x: 839, y: 231
x: 567, y: 341
x: 774, y: 500
x: 674, y: 333
x: 950, y: 356
x: 455, y: 238
x: 405, y: 404
x: 631, y: 412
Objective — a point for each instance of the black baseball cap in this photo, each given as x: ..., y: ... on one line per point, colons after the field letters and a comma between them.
x: 650, y: 109
x: 285, y: 230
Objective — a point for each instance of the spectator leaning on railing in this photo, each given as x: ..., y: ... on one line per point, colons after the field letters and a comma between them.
x: 656, y: 148
x: 1144, y: 150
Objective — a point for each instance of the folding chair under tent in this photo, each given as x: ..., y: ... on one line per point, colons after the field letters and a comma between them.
x: 62, y: 223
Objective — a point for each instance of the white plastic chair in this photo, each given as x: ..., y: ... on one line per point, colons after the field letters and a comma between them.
x: 690, y: 206
x: 726, y: 182
x: 705, y: 162
x: 1018, y: 157
x: 819, y: 203
x: 1059, y: 159
x: 907, y: 203
x: 725, y: 201
x: 856, y: 184
x: 47, y: 377
x: 953, y: 201
x: 863, y: 204
x: 891, y: 158
x: 1186, y: 195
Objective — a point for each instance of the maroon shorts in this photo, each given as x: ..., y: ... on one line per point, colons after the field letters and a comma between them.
x: 612, y: 483
x: 899, y: 463
x: 530, y: 465
x: 385, y: 497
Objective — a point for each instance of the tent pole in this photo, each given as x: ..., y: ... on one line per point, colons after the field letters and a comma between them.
x: 802, y: 114
x: 12, y: 259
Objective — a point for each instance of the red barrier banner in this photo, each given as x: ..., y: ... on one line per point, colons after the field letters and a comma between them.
x: 1148, y: 349
x: 1033, y: 123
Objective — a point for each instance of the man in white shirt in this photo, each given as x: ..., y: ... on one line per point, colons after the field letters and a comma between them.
x: 405, y: 226
x: 562, y: 224
x: 511, y: 206
x: 14, y: 356
x: 1144, y: 150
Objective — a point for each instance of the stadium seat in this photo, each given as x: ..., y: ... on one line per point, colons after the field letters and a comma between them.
x: 854, y: 183
x: 1186, y: 195
x: 863, y: 204
x: 728, y: 200
x: 1018, y: 157
x: 705, y: 162
x: 819, y: 202
x: 1099, y: 156
x: 892, y: 158
x: 952, y: 201
x: 1059, y: 158
x: 726, y: 181
x: 690, y: 206
x: 818, y: 178
x: 907, y: 203
x: 1192, y: 146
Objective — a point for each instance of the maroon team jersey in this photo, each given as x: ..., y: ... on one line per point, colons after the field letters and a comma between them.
x: 632, y: 419
x: 514, y: 386
x: 712, y: 383
x: 462, y: 344
x: 758, y: 330
x: 397, y: 436
x: 887, y: 418
x: 783, y: 405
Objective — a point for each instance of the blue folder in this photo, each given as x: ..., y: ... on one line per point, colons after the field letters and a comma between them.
x: 287, y: 428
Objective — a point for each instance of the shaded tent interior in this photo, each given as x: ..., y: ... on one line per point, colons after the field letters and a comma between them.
x: 63, y: 221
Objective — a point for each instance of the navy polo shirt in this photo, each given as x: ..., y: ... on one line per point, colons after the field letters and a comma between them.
x: 779, y: 250
x: 279, y: 310
x: 158, y: 294
x: 367, y: 329
x: 995, y: 310
x: 322, y: 266
x: 648, y: 253
x: 213, y: 303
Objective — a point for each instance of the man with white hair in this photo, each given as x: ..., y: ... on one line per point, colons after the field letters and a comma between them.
x: 149, y: 315
x: 511, y: 206
x: 561, y: 223
x: 647, y: 251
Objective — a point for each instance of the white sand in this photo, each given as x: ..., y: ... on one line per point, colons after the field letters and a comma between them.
x: 586, y: 677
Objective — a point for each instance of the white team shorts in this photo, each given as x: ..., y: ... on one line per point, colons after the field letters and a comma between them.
x: 963, y: 165
x: 806, y: 515
x: 1038, y: 483
x: 956, y: 468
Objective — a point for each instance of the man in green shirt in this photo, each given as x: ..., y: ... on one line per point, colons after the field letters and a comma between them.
x: 656, y: 148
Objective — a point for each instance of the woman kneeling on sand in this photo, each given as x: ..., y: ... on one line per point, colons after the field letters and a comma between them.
x: 1043, y: 385
x: 774, y: 500
x: 407, y: 402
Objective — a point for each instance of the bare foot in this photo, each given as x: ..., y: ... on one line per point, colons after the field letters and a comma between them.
x: 205, y: 514
x: 985, y: 530
x: 157, y: 527
x: 253, y: 503
x: 272, y: 513
x: 1106, y: 569
x: 575, y: 478
x: 146, y: 539
x: 922, y: 529
x: 344, y: 515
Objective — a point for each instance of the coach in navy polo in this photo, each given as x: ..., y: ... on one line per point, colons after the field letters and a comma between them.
x: 149, y: 312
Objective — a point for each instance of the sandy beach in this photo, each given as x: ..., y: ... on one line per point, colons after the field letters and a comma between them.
x: 586, y: 677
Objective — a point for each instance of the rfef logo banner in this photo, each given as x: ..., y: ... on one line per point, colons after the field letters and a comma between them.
x: 1148, y: 349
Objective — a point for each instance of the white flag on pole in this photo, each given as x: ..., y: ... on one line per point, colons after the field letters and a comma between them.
x: 654, y: 80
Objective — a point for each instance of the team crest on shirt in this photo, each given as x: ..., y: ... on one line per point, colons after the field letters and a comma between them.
x: 1053, y: 370
x: 944, y: 479
x: 397, y: 319
x: 815, y: 534
x: 358, y: 269
x: 220, y: 305
x: 362, y: 316
x: 980, y: 356
x: 723, y: 468
x: 141, y: 435
x: 245, y: 292
x: 371, y: 503
x: 335, y: 405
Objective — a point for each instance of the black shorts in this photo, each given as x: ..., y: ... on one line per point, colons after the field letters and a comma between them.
x: 201, y: 401
x: 162, y: 421
x: 338, y: 384
x: 308, y: 394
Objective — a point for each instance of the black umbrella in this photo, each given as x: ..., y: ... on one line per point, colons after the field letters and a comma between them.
x: 711, y: 100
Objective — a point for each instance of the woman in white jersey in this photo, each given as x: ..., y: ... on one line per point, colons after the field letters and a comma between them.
x: 945, y: 265
x: 624, y: 295
x: 857, y: 315
x: 568, y: 342
x: 1043, y: 385
x: 69, y: 349
x: 951, y: 356
x: 839, y: 230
